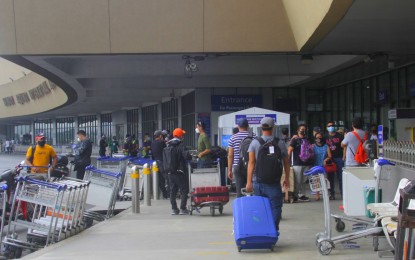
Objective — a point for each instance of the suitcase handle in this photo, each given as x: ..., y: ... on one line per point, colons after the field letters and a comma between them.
x: 245, y: 193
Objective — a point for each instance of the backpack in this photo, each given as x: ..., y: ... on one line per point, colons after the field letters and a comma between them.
x: 361, y: 155
x: 217, y: 152
x: 243, y: 154
x: 268, y: 166
x: 171, y: 159
x: 306, y: 151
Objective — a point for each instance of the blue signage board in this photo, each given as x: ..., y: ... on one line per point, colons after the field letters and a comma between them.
x: 235, y: 102
x: 225, y: 140
x: 380, y: 134
x: 383, y: 96
x: 255, y: 119
x: 205, y: 118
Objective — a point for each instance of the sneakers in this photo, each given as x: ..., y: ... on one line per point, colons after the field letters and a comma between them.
x: 332, y: 197
x: 303, y: 198
x: 184, y: 212
x: 175, y: 212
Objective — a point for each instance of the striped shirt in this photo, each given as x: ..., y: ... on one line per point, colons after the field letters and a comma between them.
x: 235, y: 142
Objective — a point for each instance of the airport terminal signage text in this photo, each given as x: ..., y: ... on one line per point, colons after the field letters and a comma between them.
x: 235, y: 102
x: 38, y: 92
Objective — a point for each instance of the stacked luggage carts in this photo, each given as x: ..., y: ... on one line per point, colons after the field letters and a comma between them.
x: 126, y: 188
x: 116, y: 164
x: 206, y: 190
x: 55, y: 212
x: 103, y: 191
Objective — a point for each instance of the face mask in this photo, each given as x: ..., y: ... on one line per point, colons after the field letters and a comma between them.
x: 197, y: 131
x: 330, y: 129
x: 41, y: 143
x: 78, y: 139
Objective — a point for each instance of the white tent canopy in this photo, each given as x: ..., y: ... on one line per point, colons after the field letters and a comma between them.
x: 229, y: 120
x: 254, y: 115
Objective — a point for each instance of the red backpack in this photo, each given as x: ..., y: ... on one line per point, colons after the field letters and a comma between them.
x: 361, y: 154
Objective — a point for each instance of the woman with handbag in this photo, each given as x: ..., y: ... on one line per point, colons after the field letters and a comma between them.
x: 322, y: 153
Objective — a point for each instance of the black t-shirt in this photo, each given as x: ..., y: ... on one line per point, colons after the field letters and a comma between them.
x: 157, y: 147
x: 334, y: 143
x: 296, y: 144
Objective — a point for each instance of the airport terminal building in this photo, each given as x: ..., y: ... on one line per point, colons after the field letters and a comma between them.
x: 132, y: 67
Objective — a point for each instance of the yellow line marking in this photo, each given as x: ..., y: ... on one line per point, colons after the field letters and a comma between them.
x: 213, y: 253
x: 221, y: 243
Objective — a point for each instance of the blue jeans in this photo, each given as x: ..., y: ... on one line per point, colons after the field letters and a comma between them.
x: 274, y: 193
x: 204, y: 164
x: 339, y: 172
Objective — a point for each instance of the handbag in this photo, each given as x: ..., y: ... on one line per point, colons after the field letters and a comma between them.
x: 330, y: 168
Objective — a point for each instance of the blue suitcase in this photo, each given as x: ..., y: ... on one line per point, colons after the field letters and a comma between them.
x: 253, y: 224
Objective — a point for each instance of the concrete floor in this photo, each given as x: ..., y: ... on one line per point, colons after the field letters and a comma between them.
x: 155, y: 234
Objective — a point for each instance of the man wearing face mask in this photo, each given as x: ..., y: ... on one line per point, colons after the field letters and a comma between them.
x: 334, y: 140
x: 299, y: 166
x: 82, y: 154
x: 203, y: 146
x: 41, y: 155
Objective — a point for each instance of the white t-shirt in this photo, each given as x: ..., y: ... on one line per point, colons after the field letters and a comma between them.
x: 352, y: 142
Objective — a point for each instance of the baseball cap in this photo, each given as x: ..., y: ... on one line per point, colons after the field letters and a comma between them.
x: 39, y: 136
x: 267, y: 122
x: 158, y: 133
x: 178, y: 132
x: 243, y: 123
x: 317, y: 129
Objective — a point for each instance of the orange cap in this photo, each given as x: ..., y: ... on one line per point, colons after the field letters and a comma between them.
x: 178, y: 132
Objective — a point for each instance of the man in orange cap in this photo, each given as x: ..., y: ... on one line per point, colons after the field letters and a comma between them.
x: 41, y: 155
x: 174, y: 162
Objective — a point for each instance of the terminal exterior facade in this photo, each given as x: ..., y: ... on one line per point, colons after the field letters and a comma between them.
x: 132, y: 67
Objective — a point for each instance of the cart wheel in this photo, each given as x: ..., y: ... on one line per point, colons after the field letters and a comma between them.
x: 88, y: 222
x: 272, y: 248
x: 340, y: 225
x: 15, y: 252
x: 212, y: 211
x: 191, y: 212
x: 325, y: 247
x: 239, y: 249
x: 221, y: 209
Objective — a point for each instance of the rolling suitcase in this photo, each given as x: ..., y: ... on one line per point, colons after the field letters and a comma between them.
x: 254, y: 226
x: 214, y: 197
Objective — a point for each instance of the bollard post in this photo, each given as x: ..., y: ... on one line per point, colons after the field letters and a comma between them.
x: 147, y: 184
x: 135, y: 189
x: 155, y: 170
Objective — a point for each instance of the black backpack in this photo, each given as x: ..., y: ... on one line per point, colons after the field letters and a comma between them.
x: 268, y: 166
x: 171, y: 159
x: 243, y: 155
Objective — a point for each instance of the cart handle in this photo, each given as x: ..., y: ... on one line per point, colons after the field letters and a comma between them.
x: 112, y: 174
x: 245, y: 193
x: 382, y: 162
x: 4, y: 187
x: 46, y: 184
x: 315, y: 170
x: 112, y: 159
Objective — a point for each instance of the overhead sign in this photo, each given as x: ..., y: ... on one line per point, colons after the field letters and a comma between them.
x: 392, y: 114
x: 225, y: 140
x: 235, y: 102
x: 255, y: 119
x: 380, y: 134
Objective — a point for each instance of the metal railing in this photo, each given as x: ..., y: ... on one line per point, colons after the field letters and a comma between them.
x: 400, y: 152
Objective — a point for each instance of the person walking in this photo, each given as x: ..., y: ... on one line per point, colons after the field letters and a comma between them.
x: 174, y: 163
x: 83, y: 153
x: 203, y: 146
x: 352, y: 140
x: 114, y: 145
x: 7, y: 146
x: 267, y: 158
x: 234, y: 171
x: 334, y: 140
x: 41, y: 156
x: 103, y: 146
x: 302, y: 155
x: 157, y: 147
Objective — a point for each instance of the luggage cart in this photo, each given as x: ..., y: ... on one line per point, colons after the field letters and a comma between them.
x: 44, y: 197
x: 103, y: 190
x: 116, y: 164
x: 324, y: 240
x: 206, y: 178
